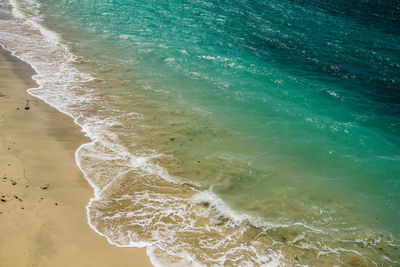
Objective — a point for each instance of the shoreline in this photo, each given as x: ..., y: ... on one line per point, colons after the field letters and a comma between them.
x: 234, y: 200
x: 44, y: 194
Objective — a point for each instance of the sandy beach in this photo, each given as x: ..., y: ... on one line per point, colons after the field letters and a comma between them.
x: 43, y: 193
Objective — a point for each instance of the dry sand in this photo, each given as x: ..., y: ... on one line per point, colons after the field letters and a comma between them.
x: 43, y: 193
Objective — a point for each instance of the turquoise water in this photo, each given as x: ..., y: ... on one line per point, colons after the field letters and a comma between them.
x: 288, y: 111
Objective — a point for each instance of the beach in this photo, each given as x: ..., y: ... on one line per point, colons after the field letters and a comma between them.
x: 258, y: 133
x: 43, y: 192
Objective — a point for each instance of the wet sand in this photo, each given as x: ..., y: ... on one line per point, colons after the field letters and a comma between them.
x: 43, y: 194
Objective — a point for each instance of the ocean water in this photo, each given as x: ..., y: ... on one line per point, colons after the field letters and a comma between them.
x: 237, y: 133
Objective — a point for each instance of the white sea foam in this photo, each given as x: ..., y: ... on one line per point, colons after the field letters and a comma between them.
x: 66, y: 88
x: 221, y: 208
x: 63, y: 86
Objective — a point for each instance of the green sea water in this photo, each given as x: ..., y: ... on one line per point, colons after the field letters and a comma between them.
x: 235, y: 132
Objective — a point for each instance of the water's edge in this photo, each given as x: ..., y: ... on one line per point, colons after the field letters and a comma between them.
x: 85, y: 133
x: 140, y: 197
x: 53, y: 38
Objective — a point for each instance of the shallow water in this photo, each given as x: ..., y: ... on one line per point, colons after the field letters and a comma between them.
x: 234, y: 133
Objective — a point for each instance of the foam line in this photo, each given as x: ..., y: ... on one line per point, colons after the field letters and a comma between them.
x: 50, y: 41
x: 104, y: 147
